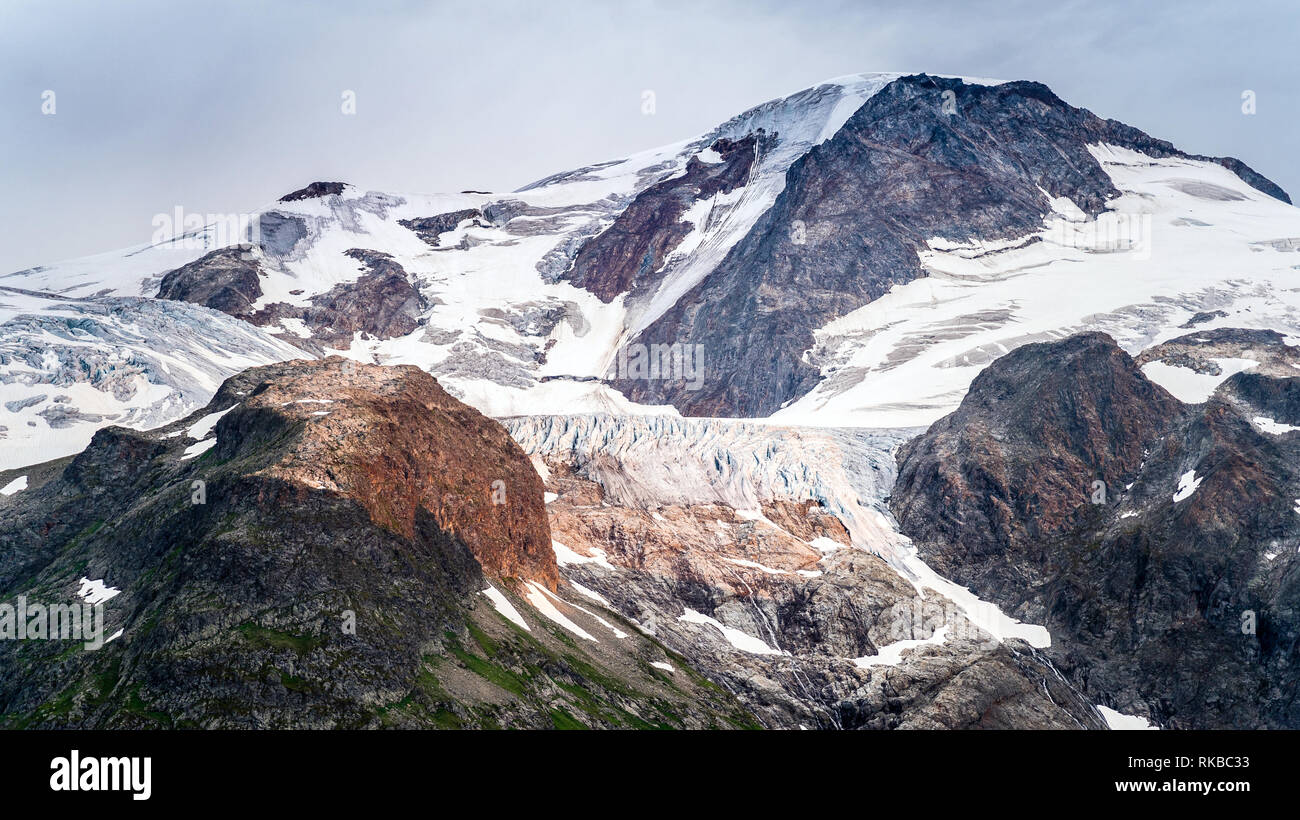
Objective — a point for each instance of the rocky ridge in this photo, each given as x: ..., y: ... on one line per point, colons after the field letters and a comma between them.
x: 1157, y: 541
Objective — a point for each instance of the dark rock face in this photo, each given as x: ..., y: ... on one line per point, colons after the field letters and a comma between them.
x: 378, y: 509
x: 1203, y: 317
x: 1173, y: 593
x: 926, y: 157
x: 643, y: 235
x: 429, y: 228
x: 1278, y: 399
x: 224, y: 280
x: 381, y: 302
x: 1252, y: 177
x: 1081, y: 401
x: 314, y: 191
x: 1011, y: 686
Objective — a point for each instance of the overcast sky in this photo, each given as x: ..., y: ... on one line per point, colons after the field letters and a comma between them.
x: 223, y: 107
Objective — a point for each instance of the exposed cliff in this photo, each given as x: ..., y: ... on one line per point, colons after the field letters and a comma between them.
x: 1170, y: 584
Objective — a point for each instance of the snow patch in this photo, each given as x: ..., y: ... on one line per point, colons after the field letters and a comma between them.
x: 1187, y: 484
x: 1119, y: 721
x: 892, y: 654
x: 503, y: 605
x: 738, y: 639
x: 195, y: 450
x: 1274, y: 428
x: 592, y: 594
x: 618, y: 633
x: 539, y: 464
x: 295, y: 326
x: 565, y: 556
x: 96, y: 592
x: 19, y: 483
x: 825, y: 545
x: 1191, y: 387
x: 754, y: 565
x: 537, y: 596
x: 201, y: 428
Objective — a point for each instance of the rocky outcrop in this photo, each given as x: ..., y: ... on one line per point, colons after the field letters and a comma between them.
x: 1015, y: 465
x: 224, y: 280
x: 315, y: 191
x: 311, y: 550
x: 1158, y: 542
x: 924, y: 158
x: 621, y: 258
x: 402, y: 448
x: 429, y: 228
x: 1202, y: 351
x: 380, y: 303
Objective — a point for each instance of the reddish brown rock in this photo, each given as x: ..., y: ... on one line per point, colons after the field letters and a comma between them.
x: 392, y: 439
x: 636, y: 246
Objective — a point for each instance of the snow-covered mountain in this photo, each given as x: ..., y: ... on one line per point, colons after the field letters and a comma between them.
x: 1191, y: 245
x: 712, y: 352
x: 499, y: 326
x: 526, y: 302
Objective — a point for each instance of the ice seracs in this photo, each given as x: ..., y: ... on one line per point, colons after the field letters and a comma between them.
x: 504, y: 332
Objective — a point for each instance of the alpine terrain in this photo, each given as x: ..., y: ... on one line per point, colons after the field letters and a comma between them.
x: 904, y: 401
